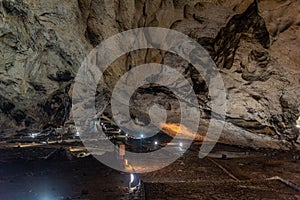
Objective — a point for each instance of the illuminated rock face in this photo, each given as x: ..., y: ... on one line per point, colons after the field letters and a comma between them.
x: 256, y: 48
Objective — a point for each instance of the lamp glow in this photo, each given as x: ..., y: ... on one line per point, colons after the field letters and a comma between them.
x: 131, y: 178
x: 298, y: 122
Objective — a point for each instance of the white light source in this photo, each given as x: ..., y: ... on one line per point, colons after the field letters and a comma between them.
x: 46, y: 197
x: 142, y: 135
x: 77, y: 134
x: 156, y: 143
x: 180, y: 144
x: 131, y: 178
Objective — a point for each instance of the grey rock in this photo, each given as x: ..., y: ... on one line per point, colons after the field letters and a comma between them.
x: 255, y: 46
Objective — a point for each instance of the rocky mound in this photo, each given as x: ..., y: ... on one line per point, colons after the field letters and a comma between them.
x: 255, y: 46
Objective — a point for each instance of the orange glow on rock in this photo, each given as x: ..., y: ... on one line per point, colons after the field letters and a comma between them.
x: 180, y: 131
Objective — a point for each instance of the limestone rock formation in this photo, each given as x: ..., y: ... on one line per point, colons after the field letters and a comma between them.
x: 255, y: 45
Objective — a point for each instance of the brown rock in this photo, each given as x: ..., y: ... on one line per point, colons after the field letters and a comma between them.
x: 255, y: 45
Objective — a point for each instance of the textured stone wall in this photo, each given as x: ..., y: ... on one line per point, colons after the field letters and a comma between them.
x: 255, y: 46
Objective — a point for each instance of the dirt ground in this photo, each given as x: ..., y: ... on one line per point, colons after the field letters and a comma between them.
x: 228, y: 173
x: 244, y: 174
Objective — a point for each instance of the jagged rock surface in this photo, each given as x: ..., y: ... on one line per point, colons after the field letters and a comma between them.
x: 255, y: 46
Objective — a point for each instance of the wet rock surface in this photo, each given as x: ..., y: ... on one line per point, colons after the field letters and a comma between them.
x: 255, y: 46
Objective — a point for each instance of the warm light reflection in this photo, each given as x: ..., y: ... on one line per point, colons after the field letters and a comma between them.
x: 298, y: 122
x: 180, y: 131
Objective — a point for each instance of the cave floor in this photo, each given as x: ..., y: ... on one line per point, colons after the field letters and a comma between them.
x: 227, y: 173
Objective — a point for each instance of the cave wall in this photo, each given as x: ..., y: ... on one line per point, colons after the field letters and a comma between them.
x: 255, y: 46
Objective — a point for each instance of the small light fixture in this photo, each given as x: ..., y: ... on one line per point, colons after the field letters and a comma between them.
x: 131, y: 178
x: 130, y: 183
x: 156, y: 143
x: 142, y: 135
